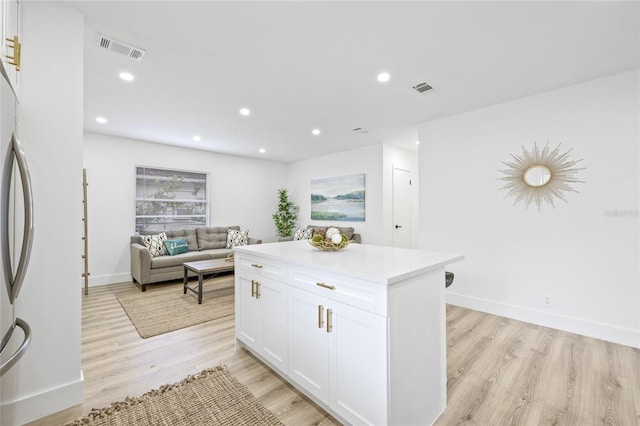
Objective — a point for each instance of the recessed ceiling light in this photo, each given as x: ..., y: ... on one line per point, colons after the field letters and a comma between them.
x: 245, y: 111
x: 417, y: 142
x: 383, y: 77
x: 101, y: 120
x: 126, y: 76
x: 197, y: 138
x: 315, y: 132
x: 262, y: 150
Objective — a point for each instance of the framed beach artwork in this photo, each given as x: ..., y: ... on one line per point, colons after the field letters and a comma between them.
x: 338, y: 198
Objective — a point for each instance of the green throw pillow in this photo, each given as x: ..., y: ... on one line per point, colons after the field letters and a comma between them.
x: 176, y: 246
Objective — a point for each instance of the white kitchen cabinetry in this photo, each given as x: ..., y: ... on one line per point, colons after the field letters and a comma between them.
x: 365, y: 327
x: 338, y: 354
x: 261, y: 309
x: 11, y: 48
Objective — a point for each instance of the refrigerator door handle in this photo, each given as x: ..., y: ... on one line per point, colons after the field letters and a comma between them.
x: 4, y: 367
x: 17, y: 153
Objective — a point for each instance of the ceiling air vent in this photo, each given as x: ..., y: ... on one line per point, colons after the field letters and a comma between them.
x: 422, y: 87
x: 117, y: 46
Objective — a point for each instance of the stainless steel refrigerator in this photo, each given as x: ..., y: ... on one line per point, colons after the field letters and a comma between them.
x: 16, y: 230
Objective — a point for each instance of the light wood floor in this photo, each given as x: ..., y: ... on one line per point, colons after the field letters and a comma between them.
x: 500, y: 371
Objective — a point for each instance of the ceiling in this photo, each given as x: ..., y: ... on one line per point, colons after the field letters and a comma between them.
x: 304, y: 65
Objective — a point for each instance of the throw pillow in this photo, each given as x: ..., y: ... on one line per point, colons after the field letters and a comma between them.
x: 176, y: 246
x: 154, y: 243
x: 237, y: 238
x: 212, y: 238
x: 189, y: 235
x: 303, y: 234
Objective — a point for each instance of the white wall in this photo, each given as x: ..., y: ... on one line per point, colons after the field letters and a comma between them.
x: 243, y: 192
x: 376, y: 162
x: 367, y: 160
x: 582, y: 253
x: 49, y: 377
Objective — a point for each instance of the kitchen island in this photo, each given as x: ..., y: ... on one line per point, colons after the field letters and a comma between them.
x: 360, y: 331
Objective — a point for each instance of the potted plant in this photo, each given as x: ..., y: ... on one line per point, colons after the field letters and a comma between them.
x: 286, y: 216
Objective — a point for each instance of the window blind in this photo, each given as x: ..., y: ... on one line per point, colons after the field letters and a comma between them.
x: 170, y: 199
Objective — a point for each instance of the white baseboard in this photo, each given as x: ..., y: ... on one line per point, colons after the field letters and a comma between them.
x: 108, y: 279
x: 598, y: 330
x: 36, y: 406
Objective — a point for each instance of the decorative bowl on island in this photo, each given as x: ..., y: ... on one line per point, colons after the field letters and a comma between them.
x: 333, y: 240
x: 327, y: 245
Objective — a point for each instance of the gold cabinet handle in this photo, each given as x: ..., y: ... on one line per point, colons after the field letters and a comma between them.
x: 320, y: 316
x: 17, y: 52
x: 323, y: 285
x: 253, y: 288
x: 255, y: 265
x: 329, y: 324
x: 258, y: 289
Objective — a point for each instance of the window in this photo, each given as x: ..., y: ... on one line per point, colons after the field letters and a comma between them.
x: 170, y: 199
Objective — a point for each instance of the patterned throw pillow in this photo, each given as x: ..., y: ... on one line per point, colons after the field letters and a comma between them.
x: 303, y: 234
x: 237, y: 238
x: 155, y: 244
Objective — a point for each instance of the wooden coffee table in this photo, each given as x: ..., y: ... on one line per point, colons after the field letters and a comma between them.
x: 201, y: 267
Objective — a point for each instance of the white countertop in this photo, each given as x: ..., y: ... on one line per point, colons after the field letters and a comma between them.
x: 381, y: 264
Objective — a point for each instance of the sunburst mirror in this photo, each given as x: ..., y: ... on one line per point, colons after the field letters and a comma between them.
x: 538, y: 176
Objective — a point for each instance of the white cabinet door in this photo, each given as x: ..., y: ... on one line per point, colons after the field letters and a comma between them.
x: 338, y: 353
x: 261, y: 317
x: 358, y: 365
x: 10, y: 28
x: 273, y: 300
x: 248, y: 312
x: 309, y: 343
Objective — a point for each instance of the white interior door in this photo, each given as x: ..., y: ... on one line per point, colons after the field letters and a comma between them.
x: 402, y: 208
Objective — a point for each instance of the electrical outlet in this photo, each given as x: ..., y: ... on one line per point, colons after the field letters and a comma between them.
x: 548, y: 300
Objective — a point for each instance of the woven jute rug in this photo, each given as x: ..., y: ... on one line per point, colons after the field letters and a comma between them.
x: 211, y: 397
x: 165, y: 307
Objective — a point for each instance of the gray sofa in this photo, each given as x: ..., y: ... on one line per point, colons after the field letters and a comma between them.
x: 204, y: 244
x: 348, y: 231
